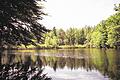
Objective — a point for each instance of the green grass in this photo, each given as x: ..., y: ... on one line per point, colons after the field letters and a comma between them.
x: 72, y: 46
x: 43, y: 46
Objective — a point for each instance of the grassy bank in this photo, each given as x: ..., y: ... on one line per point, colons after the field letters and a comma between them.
x: 43, y: 46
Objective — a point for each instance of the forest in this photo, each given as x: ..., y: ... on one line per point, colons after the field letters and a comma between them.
x: 106, y: 34
x: 19, y: 27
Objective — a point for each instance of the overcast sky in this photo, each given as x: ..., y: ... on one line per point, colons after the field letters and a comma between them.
x: 77, y: 13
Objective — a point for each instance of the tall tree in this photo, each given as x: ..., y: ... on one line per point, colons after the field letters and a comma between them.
x: 18, y: 22
x: 77, y: 36
x: 82, y: 36
x: 51, y: 39
x: 54, y: 31
x: 70, y: 35
x: 113, y: 23
x: 88, y: 33
x: 61, y: 36
x: 104, y: 34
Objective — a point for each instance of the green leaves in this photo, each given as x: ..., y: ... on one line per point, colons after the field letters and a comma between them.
x: 18, y: 22
x: 51, y: 38
x: 107, y: 32
x: 117, y: 7
x: 113, y: 35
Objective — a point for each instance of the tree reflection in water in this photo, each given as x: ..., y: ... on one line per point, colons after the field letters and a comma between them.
x: 21, y: 70
x: 106, y: 62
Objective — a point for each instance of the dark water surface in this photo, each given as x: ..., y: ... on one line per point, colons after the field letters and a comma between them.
x: 70, y: 64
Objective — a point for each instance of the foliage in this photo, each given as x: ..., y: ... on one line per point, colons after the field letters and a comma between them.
x: 95, y: 39
x: 104, y: 34
x: 18, y: 22
x: 88, y: 34
x: 99, y: 35
x: 70, y: 36
x: 51, y: 38
x: 19, y: 71
x: 61, y: 35
x: 107, y: 32
x: 117, y: 7
x: 114, y: 36
x: 82, y: 37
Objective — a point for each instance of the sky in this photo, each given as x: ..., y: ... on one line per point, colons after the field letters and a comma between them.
x: 76, y: 13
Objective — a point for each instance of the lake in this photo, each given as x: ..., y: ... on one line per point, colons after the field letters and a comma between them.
x: 70, y: 64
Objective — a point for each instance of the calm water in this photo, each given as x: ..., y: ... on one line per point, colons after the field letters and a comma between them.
x: 70, y: 64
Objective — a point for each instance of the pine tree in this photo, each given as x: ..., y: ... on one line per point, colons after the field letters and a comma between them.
x: 18, y: 22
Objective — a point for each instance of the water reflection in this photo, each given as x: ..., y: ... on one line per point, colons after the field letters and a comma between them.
x: 13, y: 67
x: 106, y: 62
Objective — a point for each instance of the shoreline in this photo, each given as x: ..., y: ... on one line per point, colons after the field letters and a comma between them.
x: 31, y: 47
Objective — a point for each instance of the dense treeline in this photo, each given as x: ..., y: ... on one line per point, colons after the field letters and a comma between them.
x: 104, y: 34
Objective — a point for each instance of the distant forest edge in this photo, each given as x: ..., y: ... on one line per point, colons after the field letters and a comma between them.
x: 105, y: 34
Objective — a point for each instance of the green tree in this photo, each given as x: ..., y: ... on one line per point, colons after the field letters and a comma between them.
x: 114, y: 36
x: 113, y: 23
x: 82, y: 37
x: 51, y: 38
x: 96, y: 38
x: 117, y: 7
x: 88, y: 33
x: 54, y: 31
x: 104, y: 34
x: 18, y: 22
x: 70, y: 36
x: 61, y: 36
x: 113, y: 27
x: 77, y: 36
x: 100, y: 35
